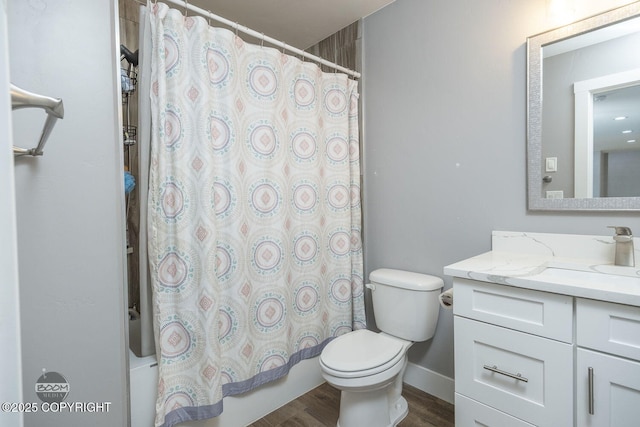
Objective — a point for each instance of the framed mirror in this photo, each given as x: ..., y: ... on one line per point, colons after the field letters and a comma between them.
x: 583, y: 115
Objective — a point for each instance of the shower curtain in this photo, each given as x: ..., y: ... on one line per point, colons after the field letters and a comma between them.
x: 254, y: 213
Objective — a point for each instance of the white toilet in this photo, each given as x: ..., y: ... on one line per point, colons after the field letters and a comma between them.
x: 368, y: 367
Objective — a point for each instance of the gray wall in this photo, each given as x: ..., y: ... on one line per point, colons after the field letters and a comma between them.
x: 69, y: 205
x: 623, y: 177
x: 444, y: 88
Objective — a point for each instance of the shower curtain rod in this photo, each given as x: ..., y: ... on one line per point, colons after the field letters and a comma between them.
x: 264, y: 38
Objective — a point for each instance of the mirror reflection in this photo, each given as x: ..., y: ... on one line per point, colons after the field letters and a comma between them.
x: 584, y: 114
x: 616, y: 143
x: 588, y: 62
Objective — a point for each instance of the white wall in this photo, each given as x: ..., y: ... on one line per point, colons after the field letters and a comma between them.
x: 70, y: 206
x: 10, y: 372
x: 444, y: 87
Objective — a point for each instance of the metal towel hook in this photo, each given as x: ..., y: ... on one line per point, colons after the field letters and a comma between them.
x: 54, y: 108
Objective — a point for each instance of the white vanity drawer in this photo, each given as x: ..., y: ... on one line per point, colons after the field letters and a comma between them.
x: 539, y: 313
x: 486, y: 354
x: 612, y: 328
x: 470, y: 413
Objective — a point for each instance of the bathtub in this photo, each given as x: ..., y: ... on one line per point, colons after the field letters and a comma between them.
x: 143, y: 380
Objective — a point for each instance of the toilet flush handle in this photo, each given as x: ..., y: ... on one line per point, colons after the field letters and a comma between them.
x: 370, y: 286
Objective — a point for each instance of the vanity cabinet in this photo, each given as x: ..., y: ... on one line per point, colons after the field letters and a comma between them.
x: 607, y: 364
x: 550, y: 309
x: 513, y: 356
x: 532, y: 358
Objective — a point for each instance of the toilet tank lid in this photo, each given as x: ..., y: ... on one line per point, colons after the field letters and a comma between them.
x: 406, y: 279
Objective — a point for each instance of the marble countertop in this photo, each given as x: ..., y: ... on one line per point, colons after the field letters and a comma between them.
x: 585, y: 278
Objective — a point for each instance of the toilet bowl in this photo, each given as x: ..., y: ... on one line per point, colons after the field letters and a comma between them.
x: 363, y: 359
x: 368, y: 367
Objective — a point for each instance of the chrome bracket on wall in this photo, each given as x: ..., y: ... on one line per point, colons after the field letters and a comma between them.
x: 54, y: 108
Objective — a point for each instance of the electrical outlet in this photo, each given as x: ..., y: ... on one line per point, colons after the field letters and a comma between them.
x: 556, y: 194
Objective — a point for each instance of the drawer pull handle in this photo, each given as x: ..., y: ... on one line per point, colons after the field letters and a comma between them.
x: 590, y: 378
x: 495, y: 369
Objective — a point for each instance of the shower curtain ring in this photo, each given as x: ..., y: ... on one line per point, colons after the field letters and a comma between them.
x: 209, y: 17
x: 237, y: 26
x: 186, y: 8
x: 262, y: 41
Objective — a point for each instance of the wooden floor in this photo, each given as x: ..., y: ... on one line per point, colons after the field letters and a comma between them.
x: 319, y: 408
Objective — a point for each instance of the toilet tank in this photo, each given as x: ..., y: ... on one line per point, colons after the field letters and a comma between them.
x: 405, y: 304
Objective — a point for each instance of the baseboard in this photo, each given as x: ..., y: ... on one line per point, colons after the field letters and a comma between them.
x: 430, y: 382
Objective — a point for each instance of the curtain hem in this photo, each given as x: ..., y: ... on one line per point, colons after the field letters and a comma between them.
x: 196, y: 413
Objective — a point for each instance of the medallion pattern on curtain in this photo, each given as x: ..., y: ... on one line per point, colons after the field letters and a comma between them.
x: 254, y: 213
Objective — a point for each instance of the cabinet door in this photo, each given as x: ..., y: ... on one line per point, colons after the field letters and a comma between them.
x: 528, y: 377
x: 615, y: 391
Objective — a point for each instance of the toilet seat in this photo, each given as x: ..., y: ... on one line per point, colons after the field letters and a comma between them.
x: 362, y: 353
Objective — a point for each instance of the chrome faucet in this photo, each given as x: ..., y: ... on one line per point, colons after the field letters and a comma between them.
x: 624, y: 246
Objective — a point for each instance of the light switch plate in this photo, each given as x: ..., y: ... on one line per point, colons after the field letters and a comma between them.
x: 556, y: 194
x: 551, y: 164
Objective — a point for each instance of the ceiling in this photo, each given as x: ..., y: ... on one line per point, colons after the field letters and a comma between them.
x: 299, y: 23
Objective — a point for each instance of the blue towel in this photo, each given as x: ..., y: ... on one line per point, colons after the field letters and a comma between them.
x: 125, y: 81
x: 129, y: 182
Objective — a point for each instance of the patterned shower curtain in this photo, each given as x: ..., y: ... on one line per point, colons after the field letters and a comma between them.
x: 254, y: 213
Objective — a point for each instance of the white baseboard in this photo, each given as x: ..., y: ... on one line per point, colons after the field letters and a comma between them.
x: 430, y: 382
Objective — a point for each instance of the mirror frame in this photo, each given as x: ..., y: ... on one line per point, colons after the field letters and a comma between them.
x: 534, y: 116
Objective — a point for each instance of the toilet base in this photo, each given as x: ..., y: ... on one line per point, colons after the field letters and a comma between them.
x: 375, y: 401
x: 399, y: 411
x: 371, y: 410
